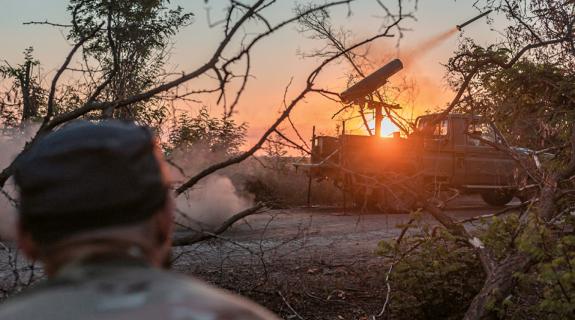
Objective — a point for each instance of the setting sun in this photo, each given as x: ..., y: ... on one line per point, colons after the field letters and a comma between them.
x: 388, y: 128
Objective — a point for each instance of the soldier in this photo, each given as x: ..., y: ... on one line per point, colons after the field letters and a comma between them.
x: 95, y: 209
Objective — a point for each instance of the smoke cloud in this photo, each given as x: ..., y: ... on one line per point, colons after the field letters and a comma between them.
x: 7, y: 219
x: 411, y: 55
x: 214, y: 199
x: 208, y: 205
x: 11, y: 144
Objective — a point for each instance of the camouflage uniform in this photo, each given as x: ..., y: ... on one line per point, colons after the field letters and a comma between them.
x: 126, y: 289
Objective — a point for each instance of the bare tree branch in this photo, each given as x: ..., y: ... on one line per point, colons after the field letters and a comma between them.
x: 186, y: 241
x: 50, y: 105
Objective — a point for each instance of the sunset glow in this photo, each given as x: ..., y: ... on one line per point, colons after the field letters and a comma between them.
x: 327, y: 159
x: 276, y: 63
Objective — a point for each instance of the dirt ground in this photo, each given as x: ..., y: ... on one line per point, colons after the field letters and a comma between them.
x: 307, y: 263
x: 302, y: 263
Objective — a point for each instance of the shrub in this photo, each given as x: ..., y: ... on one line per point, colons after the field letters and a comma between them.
x: 435, y: 278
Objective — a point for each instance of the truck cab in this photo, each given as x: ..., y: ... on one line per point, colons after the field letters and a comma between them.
x: 460, y: 151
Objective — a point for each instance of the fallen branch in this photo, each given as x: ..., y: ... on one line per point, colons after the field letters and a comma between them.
x: 198, y: 237
x: 388, y: 292
x: 498, y: 213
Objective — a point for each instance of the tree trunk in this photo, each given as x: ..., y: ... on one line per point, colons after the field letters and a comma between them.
x: 499, y: 282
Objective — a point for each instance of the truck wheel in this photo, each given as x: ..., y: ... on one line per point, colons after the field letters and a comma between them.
x: 497, y: 198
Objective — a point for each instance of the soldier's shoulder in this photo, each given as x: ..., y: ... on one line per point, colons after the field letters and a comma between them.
x: 20, y: 304
x: 196, y: 294
x: 136, y: 293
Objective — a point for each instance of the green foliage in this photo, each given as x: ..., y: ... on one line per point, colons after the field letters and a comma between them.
x: 533, y: 104
x: 139, y: 27
x: 436, y: 275
x: 24, y: 100
x: 7, y: 71
x: 499, y: 237
x: 554, y: 272
x: 217, y: 135
x: 539, y: 99
x: 527, y: 87
x: 134, y: 45
x: 547, y: 289
x: 435, y: 278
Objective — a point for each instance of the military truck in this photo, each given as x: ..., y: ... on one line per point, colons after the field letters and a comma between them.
x: 453, y: 152
x: 456, y: 153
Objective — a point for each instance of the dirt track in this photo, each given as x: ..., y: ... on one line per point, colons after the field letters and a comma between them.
x: 320, y: 261
x: 331, y: 233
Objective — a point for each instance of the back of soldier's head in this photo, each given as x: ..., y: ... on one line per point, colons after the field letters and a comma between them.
x: 89, y: 176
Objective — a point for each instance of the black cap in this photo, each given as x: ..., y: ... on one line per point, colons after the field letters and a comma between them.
x: 86, y: 176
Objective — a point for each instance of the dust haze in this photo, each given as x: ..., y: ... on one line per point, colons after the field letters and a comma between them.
x: 214, y: 199
x: 11, y: 143
x: 206, y: 206
x: 211, y: 203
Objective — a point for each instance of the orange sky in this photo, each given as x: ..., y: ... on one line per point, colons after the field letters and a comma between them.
x: 428, y: 92
x: 275, y: 61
